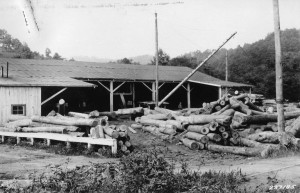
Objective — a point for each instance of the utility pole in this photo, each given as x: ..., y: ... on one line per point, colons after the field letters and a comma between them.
x: 278, y: 65
x: 156, y: 65
x: 226, y: 69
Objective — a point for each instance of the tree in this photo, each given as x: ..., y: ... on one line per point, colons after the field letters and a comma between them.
x: 56, y: 56
x: 125, y: 61
x: 47, y: 53
x: 163, y: 58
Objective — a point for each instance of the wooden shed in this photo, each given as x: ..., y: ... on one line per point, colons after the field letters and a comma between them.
x: 35, y: 86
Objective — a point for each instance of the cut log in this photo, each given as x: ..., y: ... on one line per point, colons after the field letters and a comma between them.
x: 94, y: 114
x: 103, y: 121
x: 76, y: 134
x: 112, y: 133
x: 223, y: 110
x: 214, y: 137
x: 246, y: 132
x: 225, y: 135
x: 168, y: 131
x: 202, y: 129
x: 251, y: 105
x: 16, y: 118
x: 158, y: 116
x: 247, y: 151
x: 107, y: 136
x: 197, y: 136
x: 167, y: 111
x: 127, y: 144
x: 241, y: 96
x: 51, y: 114
x: 111, y: 115
x: 176, y: 123
x: 66, y: 121
x: 192, y: 144
x: 44, y: 129
x: 129, y: 111
x: 158, y: 123
x: 213, y: 126
x: 100, y: 131
x: 260, y: 119
x: 221, y: 129
x: 8, y: 129
x: 153, y: 130
x: 243, y: 108
x: 79, y: 115
x: 93, y: 133
x: 218, y: 107
x: 265, y: 137
x: 136, y: 126
x: 294, y: 128
x: 68, y: 128
x: 233, y: 141
x: 252, y: 143
x: 234, y: 134
x: 18, y: 123
x: 203, y: 119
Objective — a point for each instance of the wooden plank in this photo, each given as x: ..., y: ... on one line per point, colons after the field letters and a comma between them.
x: 60, y: 137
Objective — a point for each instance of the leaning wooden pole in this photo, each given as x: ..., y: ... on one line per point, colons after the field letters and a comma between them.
x: 278, y: 65
x: 195, y: 70
x: 156, y: 64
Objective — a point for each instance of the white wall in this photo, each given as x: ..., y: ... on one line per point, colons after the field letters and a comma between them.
x: 30, y: 96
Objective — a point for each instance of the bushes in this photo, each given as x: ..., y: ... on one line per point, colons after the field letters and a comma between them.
x: 144, y: 171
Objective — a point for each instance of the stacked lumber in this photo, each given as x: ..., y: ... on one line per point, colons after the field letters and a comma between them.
x: 232, y: 124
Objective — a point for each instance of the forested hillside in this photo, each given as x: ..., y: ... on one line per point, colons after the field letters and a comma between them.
x: 255, y: 64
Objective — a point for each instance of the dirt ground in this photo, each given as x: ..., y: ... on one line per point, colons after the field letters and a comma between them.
x: 17, y: 162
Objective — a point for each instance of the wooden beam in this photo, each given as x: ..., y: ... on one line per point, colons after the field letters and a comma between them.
x: 48, y: 99
x: 104, y: 86
x: 184, y: 87
x: 119, y: 86
x: 153, y: 91
x: 133, y: 93
x: 161, y: 85
x: 65, y: 138
x: 188, y: 95
x: 148, y: 86
x: 220, y: 92
x: 111, y: 96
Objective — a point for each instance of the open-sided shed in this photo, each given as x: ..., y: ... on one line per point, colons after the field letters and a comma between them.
x: 32, y: 85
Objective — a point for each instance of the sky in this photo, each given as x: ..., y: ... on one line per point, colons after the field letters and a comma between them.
x: 116, y: 29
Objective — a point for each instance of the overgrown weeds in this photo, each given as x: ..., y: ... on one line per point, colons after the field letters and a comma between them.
x: 143, y: 171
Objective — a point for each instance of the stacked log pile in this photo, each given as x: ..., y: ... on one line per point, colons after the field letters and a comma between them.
x: 93, y: 125
x: 231, y: 124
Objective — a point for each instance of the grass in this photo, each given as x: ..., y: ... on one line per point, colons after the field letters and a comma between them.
x: 142, y: 171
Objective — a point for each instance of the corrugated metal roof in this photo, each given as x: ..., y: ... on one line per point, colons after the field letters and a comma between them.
x: 105, y: 71
x: 43, y: 81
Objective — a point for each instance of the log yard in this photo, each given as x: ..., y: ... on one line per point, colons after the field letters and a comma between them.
x: 225, y: 119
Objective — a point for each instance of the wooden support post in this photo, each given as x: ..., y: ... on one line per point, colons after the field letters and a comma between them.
x: 111, y: 88
x: 114, y: 147
x: 153, y: 91
x: 133, y: 93
x: 278, y: 67
x: 31, y: 141
x: 18, y: 140
x: 68, y: 145
x: 220, y: 92
x: 48, y: 142
x: 89, y: 146
x: 3, y: 138
x: 188, y: 95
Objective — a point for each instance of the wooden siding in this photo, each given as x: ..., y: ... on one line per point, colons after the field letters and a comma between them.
x: 30, y: 96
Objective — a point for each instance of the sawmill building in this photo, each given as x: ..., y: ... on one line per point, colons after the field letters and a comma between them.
x: 34, y: 87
